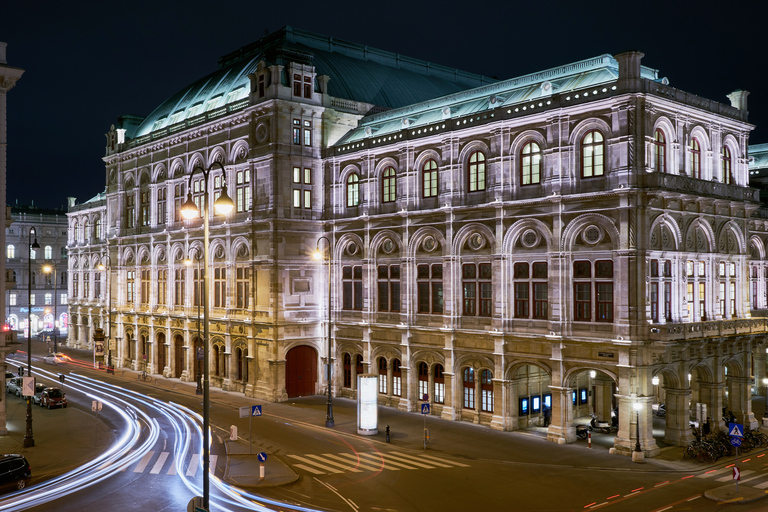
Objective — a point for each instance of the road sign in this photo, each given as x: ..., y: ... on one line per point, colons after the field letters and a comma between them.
x: 425, y: 397
x: 735, y: 430
x: 424, y: 408
x: 262, y: 456
x: 96, y: 405
x: 28, y: 386
x: 736, y: 441
x: 255, y: 410
x: 736, y: 473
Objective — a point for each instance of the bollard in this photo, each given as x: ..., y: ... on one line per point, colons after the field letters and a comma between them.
x: 262, y: 472
x: 589, y: 439
x: 387, y: 433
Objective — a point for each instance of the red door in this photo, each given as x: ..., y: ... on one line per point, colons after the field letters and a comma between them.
x: 301, y: 371
x: 178, y: 348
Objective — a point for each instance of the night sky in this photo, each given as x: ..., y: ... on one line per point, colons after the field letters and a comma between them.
x: 88, y: 62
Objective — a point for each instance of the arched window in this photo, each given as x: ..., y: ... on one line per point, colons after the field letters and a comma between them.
x: 240, y: 360
x: 33, y: 254
x: 592, y: 155
x: 695, y: 158
x: 97, y: 228
x: 659, y: 151
x: 397, y: 386
x: 359, y: 368
x: 726, y: 164
x: 486, y: 389
x: 530, y: 164
x: 347, y: 371
x: 476, y: 171
x: 76, y: 233
x: 353, y: 190
x: 439, y: 384
x: 469, y: 388
x: 216, y: 365
x: 389, y: 185
x: 429, y: 179
x: 10, y: 251
x: 86, y: 231
x: 48, y: 252
x: 423, y: 380
x: 382, y: 375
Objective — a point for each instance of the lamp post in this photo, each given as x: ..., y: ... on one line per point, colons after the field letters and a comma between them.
x: 765, y: 413
x: 329, y: 404
x: 637, y: 455
x: 223, y: 205
x: 188, y: 262
x: 29, y: 438
x: 48, y: 269
x: 108, y: 268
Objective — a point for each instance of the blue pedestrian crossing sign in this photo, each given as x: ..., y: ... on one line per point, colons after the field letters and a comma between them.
x: 262, y: 456
x: 735, y: 430
x: 424, y: 408
x: 255, y: 410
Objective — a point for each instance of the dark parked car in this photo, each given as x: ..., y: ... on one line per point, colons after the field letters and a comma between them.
x: 14, y: 471
x: 53, y: 397
x: 39, y: 388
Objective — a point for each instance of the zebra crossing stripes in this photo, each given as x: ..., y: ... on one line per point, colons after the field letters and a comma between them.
x: 726, y: 478
x: 160, y: 464
x: 158, y: 467
x: 334, y: 463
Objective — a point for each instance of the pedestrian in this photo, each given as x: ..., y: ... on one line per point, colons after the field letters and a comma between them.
x: 706, y: 427
x: 547, y: 415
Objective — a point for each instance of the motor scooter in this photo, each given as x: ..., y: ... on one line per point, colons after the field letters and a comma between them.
x: 602, y: 426
x: 582, y: 431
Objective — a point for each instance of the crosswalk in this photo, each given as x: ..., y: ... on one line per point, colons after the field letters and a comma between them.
x: 358, y: 462
x: 158, y: 465
x: 747, y: 476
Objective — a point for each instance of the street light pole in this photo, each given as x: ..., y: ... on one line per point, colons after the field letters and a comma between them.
x: 51, y: 268
x: 198, y: 389
x: 765, y: 385
x: 223, y: 205
x: 29, y: 438
x: 638, y: 455
x: 329, y: 403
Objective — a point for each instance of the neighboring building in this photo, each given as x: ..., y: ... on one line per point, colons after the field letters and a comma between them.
x: 48, y: 267
x: 577, y: 238
x: 8, y: 78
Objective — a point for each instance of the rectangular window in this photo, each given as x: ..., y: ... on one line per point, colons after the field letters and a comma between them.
x: 476, y: 280
x: 296, y: 131
x: 63, y: 299
x: 429, y: 280
x: 654, y: 268
x: 219, y: 287
x: 439, y: 386
x: 296, y: 198
x: 180, y: 286
x: 389, y: 287
x: 162, y: 287
x: 75, y: 279
x: 243, y: 190
x: 732, y: 300
x: 197, y: 277
x: 87, y: 285
x: 307, y: 133
x: 145, y: 208
x: 97, y: 285
x: 130, y: 280
x: 521, y: 300
x: 48, y: 299
x: 689, y: 300
x: 12, y: 300
x: 604, y: 302
x: 722, y: 299
x: 540, y: 300
x: 654, y: 302
x: 296, y: 84
x: 162, y: 193
x: 130, y: 210
x: 243, y: 279
x: 583, y: 301
x: 352, y: 288
x: 145, y: 280
x: 261, y: 86
x: 702, y: 302
x: 32, y: 299
x: 178, y: 201
x: 308, y: 87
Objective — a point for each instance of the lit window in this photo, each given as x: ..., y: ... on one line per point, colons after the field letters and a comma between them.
x: 592, y: 154
x: 659, y: 156
x: 476, y: 171
x: 10, y: 251
x: 296, y: 131
x: 397, y: 379
x: 353, y: 190
x: 486, y: 389
x: 382, y: 375
x: 243, y: 190
x: 530, y: 164
x: 307, y: 133
x: 389, y: 185
x: 243, y: 279
x: 429, y: 179
x: 48, y: 251
x: 469, y: 388
x: 726, y: 166
x: 13, y: 299
x: 694, y: 158
x: 439, y: 384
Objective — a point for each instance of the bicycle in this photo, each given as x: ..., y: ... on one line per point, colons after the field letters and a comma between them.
x: 145, y: 377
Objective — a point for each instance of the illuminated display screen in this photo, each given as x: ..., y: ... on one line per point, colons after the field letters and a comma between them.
x: 367, y: 403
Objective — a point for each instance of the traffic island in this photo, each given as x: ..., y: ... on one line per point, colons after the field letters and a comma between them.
x: 730, y: 494
x: 244, y: 469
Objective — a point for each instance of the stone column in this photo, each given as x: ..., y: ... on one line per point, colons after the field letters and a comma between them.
x: 500, y: 419
x: 678, y: 431
x: 603, y: 398
x: 759, y: 361
x: 561, y: 429
x: 740, y: 400
x: 449, y: 410
x: 711, y: 394
x: 405, y: 396
x: 478, y: 397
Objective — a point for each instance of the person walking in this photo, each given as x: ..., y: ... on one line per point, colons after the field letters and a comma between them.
x: 547, y: 415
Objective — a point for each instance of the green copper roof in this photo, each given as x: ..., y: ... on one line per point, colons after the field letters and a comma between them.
x: 357, y: 72
x: 758, y: 157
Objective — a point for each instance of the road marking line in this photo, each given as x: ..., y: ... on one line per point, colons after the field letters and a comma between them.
x: 144, y: 462
x: 663, y: 509
x: 192, y: 468
x: 386, y: 462
x: 387, y: 456
x: 661, y: 483
x: 631, y: 494
x: 311, y: 462
x: 714, y: 472
x: 694, y: 498
x: 172, y: 469
x: 753, y: 478
x: 375, y: 464
x: 324, y: 457
x: 212, y: 463
x: 763, y: 485
x: 307, y: 468
x: 353, y: 461
x: 599, y: 504
x: 431, y: 460
x: 730, y: 477
x: 159, y: 464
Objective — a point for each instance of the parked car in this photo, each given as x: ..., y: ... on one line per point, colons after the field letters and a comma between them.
x: 9, y: 376
x: 56, y: 358
x: 53, y: 397
x: 14, y: 386
x: 14, y: 471
x: 39, y: 388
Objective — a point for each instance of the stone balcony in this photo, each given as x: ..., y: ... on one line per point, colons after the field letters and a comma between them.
x: 701, y: 188
x: 700, y: 330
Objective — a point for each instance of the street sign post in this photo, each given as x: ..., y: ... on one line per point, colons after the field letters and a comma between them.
x: 736, y: 434
x: 736, y: 476
x: 262, y: 458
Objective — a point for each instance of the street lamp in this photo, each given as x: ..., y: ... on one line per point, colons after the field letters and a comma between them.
x: 108, y: 268
x: 51, y: 268
x: 329, y: 404
x: 29, y: 438
x: 765, y: 385
x: 189, y: 210
x: 200, y: 292
x: 637, y: 455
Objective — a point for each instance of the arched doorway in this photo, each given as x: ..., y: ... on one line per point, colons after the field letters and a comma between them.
x: 178, y: 353
x: 301, y: 371
x: 160, y: 352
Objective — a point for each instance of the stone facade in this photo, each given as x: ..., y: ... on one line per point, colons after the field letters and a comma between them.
x: 540, y: 240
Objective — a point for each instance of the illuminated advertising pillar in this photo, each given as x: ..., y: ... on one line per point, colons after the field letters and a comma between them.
x: 367, y: 404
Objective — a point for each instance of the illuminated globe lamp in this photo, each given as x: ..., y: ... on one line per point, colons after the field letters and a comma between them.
x: 223, y: 206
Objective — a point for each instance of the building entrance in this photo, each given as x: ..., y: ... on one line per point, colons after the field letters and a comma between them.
x: 301, y: 371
